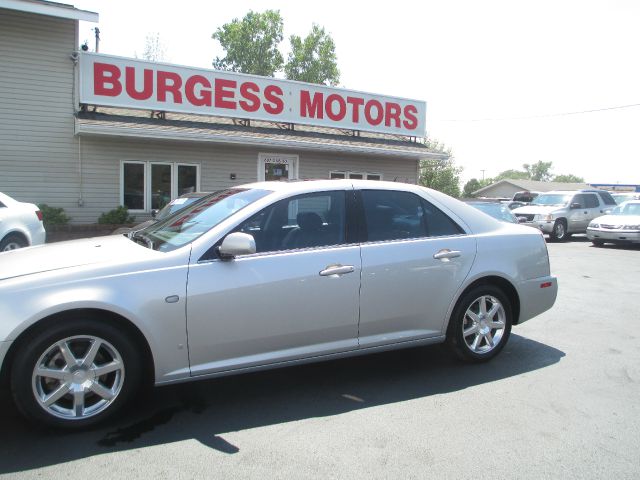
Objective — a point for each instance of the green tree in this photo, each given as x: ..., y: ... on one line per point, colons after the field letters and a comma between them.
x: 251, y: 44
x: 313, y: 59
x: 568, y: 178
x: 473, y: 185
x: 511, y: 175
x: 540, y: 171
x: 441, y: 174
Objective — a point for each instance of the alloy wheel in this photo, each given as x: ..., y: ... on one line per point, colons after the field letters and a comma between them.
x: 78, y: 377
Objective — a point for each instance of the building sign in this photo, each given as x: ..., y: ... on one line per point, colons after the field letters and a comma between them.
x: 129, y: 83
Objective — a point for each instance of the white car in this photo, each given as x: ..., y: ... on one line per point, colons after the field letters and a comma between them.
x: 20, y: 224
x: 261, y: 276
x: 621, y: 226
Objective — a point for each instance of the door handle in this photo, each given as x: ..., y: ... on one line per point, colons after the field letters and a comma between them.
x: 336, y: 270
x: 445, y: 254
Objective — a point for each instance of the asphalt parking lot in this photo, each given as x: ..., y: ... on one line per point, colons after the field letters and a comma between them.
x: 562, y: 400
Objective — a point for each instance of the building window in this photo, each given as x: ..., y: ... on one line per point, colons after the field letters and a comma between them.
x: 355, y: 175
x: 151, y: 185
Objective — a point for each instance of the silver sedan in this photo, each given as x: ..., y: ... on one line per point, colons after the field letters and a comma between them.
x: 260, y: 276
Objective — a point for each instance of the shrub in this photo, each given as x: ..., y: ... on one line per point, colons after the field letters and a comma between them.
x: 116, y: 216
x: 53, y: 215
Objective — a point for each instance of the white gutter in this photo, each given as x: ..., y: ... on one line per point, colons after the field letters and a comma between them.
x: 51, y: 9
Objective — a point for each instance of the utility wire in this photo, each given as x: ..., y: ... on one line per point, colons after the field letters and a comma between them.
x: 548, y: 115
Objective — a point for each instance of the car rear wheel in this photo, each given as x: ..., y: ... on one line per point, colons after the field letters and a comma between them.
x: 12, y: 242
x: 559, y: 232
x: 480, y: 324
x: 75, y: 374
x: 597, y: 243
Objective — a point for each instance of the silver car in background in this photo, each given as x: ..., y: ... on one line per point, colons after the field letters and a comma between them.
x: 621, y: 226
x: 261, y: 276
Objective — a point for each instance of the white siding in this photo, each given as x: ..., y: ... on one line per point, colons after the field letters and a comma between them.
x: 38, y: 152
x: 101, y: 158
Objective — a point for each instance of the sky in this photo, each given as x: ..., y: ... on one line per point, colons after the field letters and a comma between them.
x: 503, y: 80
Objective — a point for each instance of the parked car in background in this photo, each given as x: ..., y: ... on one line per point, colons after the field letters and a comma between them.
x: 622, y: 225
x: 620, y: 197
x: 525, y: 196
x: 170, y: 208
x: 497, y: 210
x: 561, y: 213
x: 20, y: 224
x: 274, y: 273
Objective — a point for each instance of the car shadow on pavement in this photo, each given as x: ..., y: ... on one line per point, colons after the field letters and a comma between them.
x: 206, y: 410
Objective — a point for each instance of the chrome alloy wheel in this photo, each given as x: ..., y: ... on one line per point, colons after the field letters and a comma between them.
x: 78, y: 377
x: 484, y: 324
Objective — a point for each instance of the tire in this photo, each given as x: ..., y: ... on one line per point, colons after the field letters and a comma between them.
x: 477, y: 337
x: 55, y: 382
x: 559, y: 231
x: 597, y: 243
x: 13, y: 242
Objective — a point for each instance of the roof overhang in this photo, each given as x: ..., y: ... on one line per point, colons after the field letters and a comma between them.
x: 337, y: 144
x: 133, y: 132
x: 51, y: 9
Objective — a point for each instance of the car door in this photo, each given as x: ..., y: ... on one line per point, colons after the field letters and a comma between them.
x: 578, y: 213
x: 414, y: 260
x: 297, y: 296
x: 592, y: 202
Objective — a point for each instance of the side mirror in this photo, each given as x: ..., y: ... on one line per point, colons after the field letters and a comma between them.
x: 237, y: 243
x: 522, y: 219
x: 154, y: 212
x: 575, y: 206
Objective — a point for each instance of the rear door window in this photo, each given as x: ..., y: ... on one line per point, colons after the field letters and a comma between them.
x: 394, y: 215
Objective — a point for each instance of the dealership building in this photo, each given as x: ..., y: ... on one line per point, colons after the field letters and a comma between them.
x: 89, y: 131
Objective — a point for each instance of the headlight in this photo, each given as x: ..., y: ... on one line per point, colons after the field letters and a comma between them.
x: 594, y: 225
x: 631, y: 227
x: 548, y: 217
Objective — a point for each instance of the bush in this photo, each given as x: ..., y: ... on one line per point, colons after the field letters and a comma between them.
x: 53, y: 215
x: 116, y: 216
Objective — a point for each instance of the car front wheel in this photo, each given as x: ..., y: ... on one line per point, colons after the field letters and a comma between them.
x: 74, y: 374
x: 480, y: 324
x: 559, y: 232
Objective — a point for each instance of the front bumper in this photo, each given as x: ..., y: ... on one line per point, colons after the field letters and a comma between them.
x: 545, y: 226
x: 613, y: 235
x: 537, y: 296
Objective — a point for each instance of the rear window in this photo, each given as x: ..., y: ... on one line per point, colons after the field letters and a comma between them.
x: 607, y: 198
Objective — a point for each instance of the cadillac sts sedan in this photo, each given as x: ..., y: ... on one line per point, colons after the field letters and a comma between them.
x: 259, y: 276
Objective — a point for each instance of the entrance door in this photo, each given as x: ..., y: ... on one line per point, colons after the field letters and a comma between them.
x: 277, y: 167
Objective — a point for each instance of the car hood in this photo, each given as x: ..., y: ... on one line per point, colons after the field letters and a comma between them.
x: 618, y: 220
x: 73, y: 253
x: 536, y: 209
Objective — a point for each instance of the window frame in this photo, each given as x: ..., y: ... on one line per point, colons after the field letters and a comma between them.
x: 349, y: 237
x: 362, y: 228
x: 147, y: 166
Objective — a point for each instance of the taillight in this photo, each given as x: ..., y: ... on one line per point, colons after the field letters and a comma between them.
x: 39, y: 215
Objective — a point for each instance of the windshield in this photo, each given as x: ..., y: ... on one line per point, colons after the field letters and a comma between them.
x: 198, y: 218
x: 497, y: 210
x: 173, y: 207
x: 627, y: 209
x: 552, y: 199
